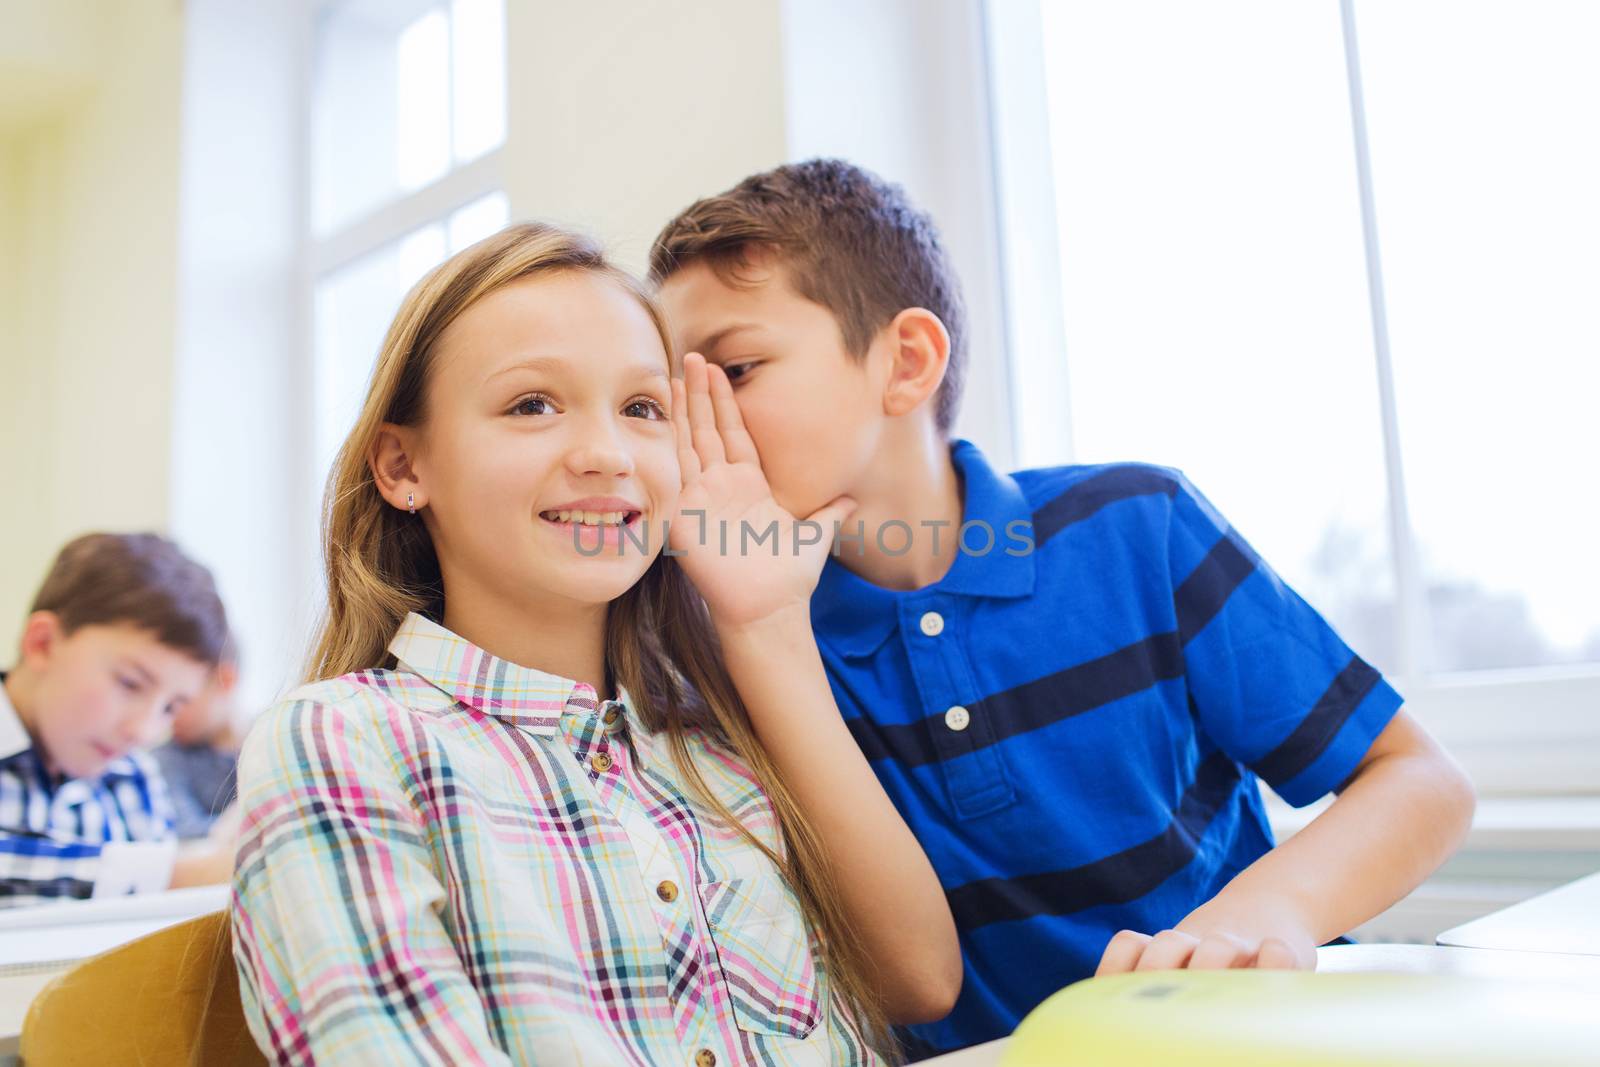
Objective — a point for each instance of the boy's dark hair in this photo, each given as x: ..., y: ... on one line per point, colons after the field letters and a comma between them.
x: 143, y: 580
x: 851, y: 241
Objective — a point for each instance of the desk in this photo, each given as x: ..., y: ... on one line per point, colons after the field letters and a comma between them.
x: 1394, y: 959
x: 38, y: 942
x: 1565, y: 920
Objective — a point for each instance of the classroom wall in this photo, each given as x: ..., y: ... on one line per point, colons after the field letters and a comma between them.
x: 88, y: 331
x: 622, y: 112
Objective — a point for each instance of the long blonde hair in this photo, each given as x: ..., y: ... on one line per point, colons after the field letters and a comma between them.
x: 660, y: 644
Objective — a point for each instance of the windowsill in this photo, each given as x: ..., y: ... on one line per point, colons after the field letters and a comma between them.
x: 1502, y: 824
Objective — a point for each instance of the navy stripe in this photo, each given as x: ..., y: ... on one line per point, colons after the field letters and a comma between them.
x: 1034, y: 704
x: 1210, y: 584
x: 1321, y: 725
x: 1082, y: 500
x: 1115, y: 879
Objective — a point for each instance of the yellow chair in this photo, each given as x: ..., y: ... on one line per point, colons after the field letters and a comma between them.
x: 169, y: 998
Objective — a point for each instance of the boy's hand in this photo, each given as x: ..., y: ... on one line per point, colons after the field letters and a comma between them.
x: 1204, y: 942
x: 203, y: 862
x: 742, y: 581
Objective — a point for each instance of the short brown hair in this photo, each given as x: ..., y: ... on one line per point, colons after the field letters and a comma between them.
x: 852, y: 242
x: 143, y: 580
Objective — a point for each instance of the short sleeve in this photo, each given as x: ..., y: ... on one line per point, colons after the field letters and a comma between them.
x: 1270, y: 682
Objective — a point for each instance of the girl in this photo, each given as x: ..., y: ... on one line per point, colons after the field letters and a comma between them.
x: 542, y: 803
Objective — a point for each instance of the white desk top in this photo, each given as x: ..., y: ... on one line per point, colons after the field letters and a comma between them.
x: 1564, y: 920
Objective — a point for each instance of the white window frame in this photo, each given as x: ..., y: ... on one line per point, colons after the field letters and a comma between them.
x: 1518, y: 732
x: 385, y: 224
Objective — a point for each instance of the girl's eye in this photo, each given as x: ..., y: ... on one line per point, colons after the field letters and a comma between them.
x: 736, y: 371
x: 536, y: 404
x: 644, y: 408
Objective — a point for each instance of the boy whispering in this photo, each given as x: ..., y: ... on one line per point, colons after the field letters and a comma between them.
x: 124, y: 630
x: 1074, y: 727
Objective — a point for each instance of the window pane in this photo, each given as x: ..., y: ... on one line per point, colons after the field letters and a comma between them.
x: 352, y: 309
x: 422, y: 147
x: 478, y: 44
x: 478, y: 220
x: 1485, y: 128
x: 403, y: 91
x: 1214, y: 288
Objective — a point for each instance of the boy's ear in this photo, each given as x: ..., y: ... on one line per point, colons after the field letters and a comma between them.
x: 919, y: 355
x: 392, y: 466
x: 40, y: 634
x: 226, y: 676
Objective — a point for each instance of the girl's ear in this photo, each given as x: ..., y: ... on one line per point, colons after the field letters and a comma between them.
x: 393, y: 469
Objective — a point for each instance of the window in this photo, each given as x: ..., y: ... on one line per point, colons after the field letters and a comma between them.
x: 1344, y: 280
x: 407, y: 119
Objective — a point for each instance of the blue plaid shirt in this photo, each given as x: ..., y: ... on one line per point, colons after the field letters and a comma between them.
x: 78, y: 837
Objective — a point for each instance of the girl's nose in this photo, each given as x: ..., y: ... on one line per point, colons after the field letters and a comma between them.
x: 600, y: 452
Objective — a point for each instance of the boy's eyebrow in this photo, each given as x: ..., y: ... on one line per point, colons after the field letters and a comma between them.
x: 723, y: 334
x: 149, y: 678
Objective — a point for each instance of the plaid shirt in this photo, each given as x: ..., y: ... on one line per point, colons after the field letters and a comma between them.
x: 467, y: 861
x: 78, y: 837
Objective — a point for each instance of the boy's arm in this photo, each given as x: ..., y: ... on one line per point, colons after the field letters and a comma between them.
x: 1395, y: 820
x: 38, y: 869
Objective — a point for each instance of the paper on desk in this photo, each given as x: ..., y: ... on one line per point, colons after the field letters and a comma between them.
x: 173, y: 904
x: 63, y: 944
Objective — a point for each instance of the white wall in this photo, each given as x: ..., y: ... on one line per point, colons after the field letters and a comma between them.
x: 622, y: 112
x: 238, y: 433
x: 901, y: 87
x: 92, y: 217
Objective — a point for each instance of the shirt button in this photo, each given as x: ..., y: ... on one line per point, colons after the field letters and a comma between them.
x: 932, y: 623
x: 667, y: 892
x: 610, y: 716
x: 600, y: 762
x: 957, y: 717
x: 705, y: 1058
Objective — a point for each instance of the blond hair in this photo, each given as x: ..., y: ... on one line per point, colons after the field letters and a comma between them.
x: 660, y: 644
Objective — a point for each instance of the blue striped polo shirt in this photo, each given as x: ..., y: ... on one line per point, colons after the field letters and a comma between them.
x: 1073, y: 722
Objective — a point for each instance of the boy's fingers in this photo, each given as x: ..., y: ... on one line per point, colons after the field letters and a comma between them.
x: 1169, y: 950
x: 702, y: 420
x: 1219, y: 952
x: 735, y: 439
x: 688, y: 458
x: 1122, y: 954
x: 1276, y: 955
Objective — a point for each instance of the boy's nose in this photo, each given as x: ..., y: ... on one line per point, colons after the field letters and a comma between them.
x: 146, y: 727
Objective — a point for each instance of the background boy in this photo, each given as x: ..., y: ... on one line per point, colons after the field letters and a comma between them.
x: 124, y: 629
x: 1074, y: 731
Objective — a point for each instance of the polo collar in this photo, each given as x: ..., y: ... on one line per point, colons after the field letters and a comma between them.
x: 528, y: 698
x: 855, y: 616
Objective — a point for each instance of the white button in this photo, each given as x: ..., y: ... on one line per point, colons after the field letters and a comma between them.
x: 957, y: 718
x: 932, y: 623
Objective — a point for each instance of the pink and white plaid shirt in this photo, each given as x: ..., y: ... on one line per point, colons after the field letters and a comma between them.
x: 467, y: 861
